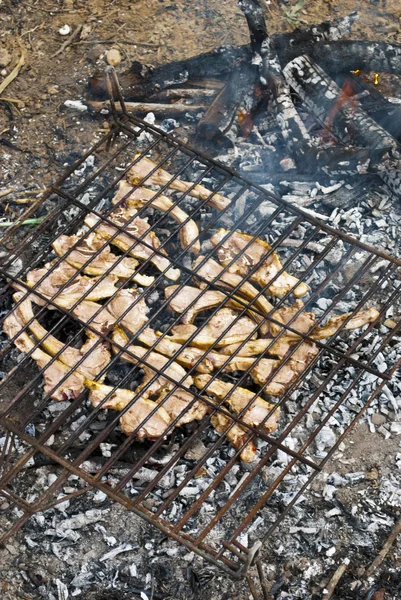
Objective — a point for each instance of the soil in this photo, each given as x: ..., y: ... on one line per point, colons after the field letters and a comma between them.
x: 40, y: 136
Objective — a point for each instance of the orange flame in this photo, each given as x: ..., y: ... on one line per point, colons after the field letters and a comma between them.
x: 246, y: 123
x: 347, y: 94
x: 376, y: 79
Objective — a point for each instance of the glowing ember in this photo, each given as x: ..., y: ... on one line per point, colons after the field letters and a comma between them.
x: 376, y: 78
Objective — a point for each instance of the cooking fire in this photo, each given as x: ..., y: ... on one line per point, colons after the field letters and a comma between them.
x: 193, y: 329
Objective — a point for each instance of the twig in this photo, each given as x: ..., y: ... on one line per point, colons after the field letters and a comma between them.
x: 327, y: 594
x: 6, y: 192
x: 384, y: 551
x: 13, y: 73
x: 68, y: 40
x: 26, y: 222
x: 252, y: 587
x: 13, y: 101
x: 128, y: 42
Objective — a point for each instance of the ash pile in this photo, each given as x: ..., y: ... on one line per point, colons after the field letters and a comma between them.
x: 256, y: 125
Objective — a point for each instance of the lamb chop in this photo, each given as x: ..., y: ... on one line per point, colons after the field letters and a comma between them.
x: 218, y: 325
x: 123, y: 268
x: 139, y: 228
x: 77, y: 285
x: 141, y: 173
x: 96, y: 356
x: 239, y: 399
x: 119, y: 398
x: 255, y: 255
x: 140, y: 197
x: 73, y: 384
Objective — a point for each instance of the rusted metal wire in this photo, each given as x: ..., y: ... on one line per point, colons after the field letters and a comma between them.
x: 374, y: 282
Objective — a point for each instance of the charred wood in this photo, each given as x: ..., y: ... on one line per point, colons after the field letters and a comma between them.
x: 140, y: 82
x: 292, y: 128
x: 348, y: 55
x: 223, y: 113
x: 330, y: 105
x: 374, y: 103
x: 351, y: 194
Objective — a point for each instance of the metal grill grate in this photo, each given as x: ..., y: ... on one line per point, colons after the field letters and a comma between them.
x: 197, y: 510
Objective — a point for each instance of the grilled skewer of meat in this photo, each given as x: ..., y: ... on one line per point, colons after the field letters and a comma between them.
x: 123, y: 268
x: 140, y: 197
x: 95, y: 358
x: 139, y: 228
x: 140, y: 173
x: 255, y: 255
x: 73, y: 384
x: 239, y: 399
x: 225, y: 321
x: 77, y: 285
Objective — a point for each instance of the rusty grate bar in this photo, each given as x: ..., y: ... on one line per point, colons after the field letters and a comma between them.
x: 348, y: 271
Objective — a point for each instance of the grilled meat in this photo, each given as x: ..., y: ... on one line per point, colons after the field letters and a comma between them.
x: 256, y: 254
x: 358, y: 320
x: 235, y: 434
x: 174, y: 371
x: 240, y: 399
x: 302, y: 322
x: 177, y: 405
x: 212, y: 272
x: 139, y: 197
x: 128, y: 302
x: 189, y: 356
x: 77, y: 285
x: 223, y: 322
x: 68, y: 389
x: 123, y: 268
x: 139, y: 228
x: 134, y: 418
x: 141, y: 173
x: 96, y: 356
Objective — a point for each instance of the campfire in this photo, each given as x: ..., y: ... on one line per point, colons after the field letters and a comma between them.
x: 182, y: 315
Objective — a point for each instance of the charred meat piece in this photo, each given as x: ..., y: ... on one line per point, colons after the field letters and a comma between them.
x: 139, y: 228
x: 140, y: 173
x: 96, y: 356
x: 68, y: 389
x: 240, y: 399
x: 255, y: 254
x: 225, y: 321
x: 140, y: 197
x: 76, y: 285
x: 135, y: 416
x: 123, y: 268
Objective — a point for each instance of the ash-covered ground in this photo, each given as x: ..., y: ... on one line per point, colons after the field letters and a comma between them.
x: 96, y: 550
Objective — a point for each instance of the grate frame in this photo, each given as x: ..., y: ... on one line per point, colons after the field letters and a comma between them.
x: 68, y: 193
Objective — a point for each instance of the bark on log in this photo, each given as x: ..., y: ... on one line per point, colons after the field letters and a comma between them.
x: 162, y: 111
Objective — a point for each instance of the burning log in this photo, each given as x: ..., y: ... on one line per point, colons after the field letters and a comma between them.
x: 140, y: 82
x: 292, y: 128
x: 225, y: 108
x: 324, y: 98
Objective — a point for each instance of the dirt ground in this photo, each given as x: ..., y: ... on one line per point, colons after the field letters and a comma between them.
x: 39, y: 135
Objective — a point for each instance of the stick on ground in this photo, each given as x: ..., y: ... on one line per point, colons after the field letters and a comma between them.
x: 331, y: 586
x: 385, y: 550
